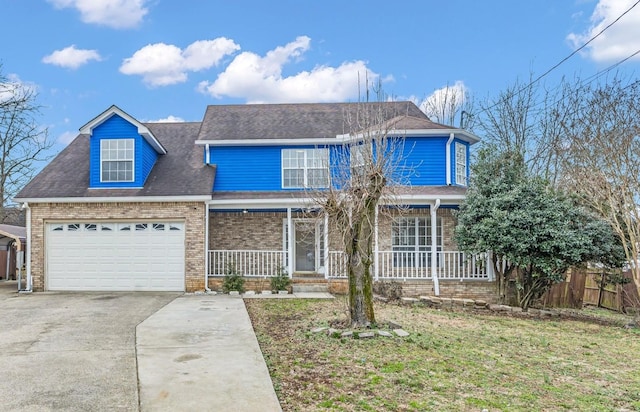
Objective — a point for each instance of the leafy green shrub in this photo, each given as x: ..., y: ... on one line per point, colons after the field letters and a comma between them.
x: 232, y: 280
x: 281, y: 281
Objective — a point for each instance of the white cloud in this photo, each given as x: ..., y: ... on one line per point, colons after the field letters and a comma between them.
x: 259, y: 79
x: 163, y: 64
x: 71, y: 58
x: 168, y: 119
x: 13, y: 87
x: 66, y: 138
x: 443, y: 103
x: 117, y: 14
x: 620, y: 40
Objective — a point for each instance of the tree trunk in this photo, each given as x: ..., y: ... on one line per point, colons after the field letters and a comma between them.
x: 360, y: 262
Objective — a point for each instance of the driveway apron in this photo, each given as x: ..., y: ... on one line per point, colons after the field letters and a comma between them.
x: 71, y: 351
x: 200, y: 353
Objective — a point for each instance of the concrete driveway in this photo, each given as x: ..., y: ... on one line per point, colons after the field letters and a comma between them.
x: 71, y: 351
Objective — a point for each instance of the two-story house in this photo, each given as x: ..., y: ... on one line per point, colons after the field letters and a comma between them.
x: 172, y: 206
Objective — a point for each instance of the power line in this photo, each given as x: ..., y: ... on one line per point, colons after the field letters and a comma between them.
x: 567, y: 58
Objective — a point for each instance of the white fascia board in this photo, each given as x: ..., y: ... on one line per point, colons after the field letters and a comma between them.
x: 123, y: 199
x: 459, y: 133
x: 115, y: 110
x: 260, y: 203
x: 339, y: 139
x: 424, y: 199
x: 254, y: 203
x: 270, y: 142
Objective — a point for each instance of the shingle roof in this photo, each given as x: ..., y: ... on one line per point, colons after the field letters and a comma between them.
x: 295, y: 121
x: 181, y: 172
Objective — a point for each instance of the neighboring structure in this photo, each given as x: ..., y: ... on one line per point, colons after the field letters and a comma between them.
x: 12, y: 246
x: 167, y: 206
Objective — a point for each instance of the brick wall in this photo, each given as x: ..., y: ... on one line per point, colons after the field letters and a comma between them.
x: 192, y: 213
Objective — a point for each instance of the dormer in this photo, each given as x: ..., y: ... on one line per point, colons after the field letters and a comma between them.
x: 123, y: 151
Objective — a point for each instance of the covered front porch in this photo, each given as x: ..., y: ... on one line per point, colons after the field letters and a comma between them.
x: 262, y: 239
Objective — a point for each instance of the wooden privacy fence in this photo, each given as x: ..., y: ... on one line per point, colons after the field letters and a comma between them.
x: 582, y: 287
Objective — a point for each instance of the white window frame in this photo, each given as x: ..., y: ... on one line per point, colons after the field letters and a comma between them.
x: 306, y: 161
x: 357, y: 159
x: 461, y: 164
x: 120, y: 154
x: 418, y: 247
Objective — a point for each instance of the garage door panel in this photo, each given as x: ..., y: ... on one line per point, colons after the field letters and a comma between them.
x: 115, y: 256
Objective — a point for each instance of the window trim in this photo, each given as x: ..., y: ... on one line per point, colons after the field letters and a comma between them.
x: 461, y: 164
x: 305, y: 167
x: 132, y: 160
x: 410, y: 255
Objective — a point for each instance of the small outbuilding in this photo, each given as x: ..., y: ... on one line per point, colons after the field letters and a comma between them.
x: 13, y: 240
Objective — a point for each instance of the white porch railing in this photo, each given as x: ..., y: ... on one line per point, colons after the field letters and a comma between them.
x: 247, y: 262
x: 450, y: 265
x: 417, y: 265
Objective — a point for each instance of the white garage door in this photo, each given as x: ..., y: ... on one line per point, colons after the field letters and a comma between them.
x: 115, y: 256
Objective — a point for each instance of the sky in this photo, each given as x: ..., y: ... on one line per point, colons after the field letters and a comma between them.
x: 166, y: 60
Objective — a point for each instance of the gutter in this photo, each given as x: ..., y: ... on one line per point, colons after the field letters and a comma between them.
x: 448, y: 158
x: 29, y: 287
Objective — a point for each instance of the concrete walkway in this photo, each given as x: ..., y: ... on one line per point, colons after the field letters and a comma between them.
x: 200, y: 353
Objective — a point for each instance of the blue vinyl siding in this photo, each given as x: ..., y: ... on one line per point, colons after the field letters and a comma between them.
x: 246, y: 168
x: 250, y: 168
x: 425, y: 160
x: 259, y: 168
x: 144, y: 155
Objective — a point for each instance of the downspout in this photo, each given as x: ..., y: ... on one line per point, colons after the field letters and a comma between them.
x: 207, y: 154
x: 290, y: 242
x: 448, y: 158
x: 434, y: 247
x: 376, y: 273
x: 206, y: 246
x: 29, y: 288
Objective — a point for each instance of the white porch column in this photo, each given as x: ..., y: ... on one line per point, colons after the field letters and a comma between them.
x: 434, y: 247
x: 326, y: 246
x: 290, y: 242
x: 376, y: 274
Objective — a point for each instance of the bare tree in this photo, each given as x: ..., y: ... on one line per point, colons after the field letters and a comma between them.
x: 525, y: 119
x: 448, y: 103
x: 602, y: 164
x: 364, y: 172
x: 23, y: 142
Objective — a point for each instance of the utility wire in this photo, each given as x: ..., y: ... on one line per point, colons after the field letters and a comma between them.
x: 567, y: 58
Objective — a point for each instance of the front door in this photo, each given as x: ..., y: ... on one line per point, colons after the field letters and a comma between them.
x: 305, y: 246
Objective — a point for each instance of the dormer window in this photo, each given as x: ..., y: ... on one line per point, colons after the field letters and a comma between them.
x: 116, y: 160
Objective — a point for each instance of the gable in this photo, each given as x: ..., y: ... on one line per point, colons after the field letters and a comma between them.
x: 119, y: 156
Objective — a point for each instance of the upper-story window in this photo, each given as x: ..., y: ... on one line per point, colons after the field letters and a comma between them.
x: 116, y: 160
x: 357, y: 160
x: 305, y: 168
x: 461, y: 164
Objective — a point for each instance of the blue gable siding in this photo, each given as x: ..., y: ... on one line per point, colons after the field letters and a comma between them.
x: 144, y: 155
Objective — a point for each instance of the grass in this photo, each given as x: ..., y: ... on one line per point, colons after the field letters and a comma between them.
x: 452, y: 361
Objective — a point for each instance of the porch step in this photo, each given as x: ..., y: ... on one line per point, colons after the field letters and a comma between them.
x: 310, y: 288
